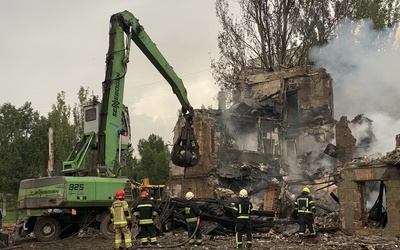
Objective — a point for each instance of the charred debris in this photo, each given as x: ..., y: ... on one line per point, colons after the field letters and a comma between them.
x: 278, y: 135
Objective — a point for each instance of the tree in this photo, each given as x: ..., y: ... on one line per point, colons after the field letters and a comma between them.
x: 130, y: 164
x: 279, y: 33
x: 23, y: 145
x: 65, y: 135
x: 79, y: 118
x: 154, y: 160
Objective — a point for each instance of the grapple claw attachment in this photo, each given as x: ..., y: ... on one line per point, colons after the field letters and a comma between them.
x: 185, y: 152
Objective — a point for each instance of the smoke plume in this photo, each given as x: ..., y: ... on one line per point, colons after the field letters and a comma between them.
x: 363, y: 64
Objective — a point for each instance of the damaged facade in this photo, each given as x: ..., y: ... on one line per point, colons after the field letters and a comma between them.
x: 277, y: 136
x: 368, y: 188
x: 275, y: 117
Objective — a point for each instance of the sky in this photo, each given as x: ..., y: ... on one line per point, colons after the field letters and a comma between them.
x: 364, y: 65
x: 49, y: 46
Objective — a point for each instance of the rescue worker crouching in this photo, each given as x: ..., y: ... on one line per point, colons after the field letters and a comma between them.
x: 192, y: 215
x: 242, y: 210
x: 146, y: 211
x: 119, y: 214
x: 305, y: 208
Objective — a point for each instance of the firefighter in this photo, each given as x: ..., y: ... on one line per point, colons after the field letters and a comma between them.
x: 305, y: 208
x: 242, y: 209
x: 120, y: 216
x: 192, y: 215
x: 146, y: 211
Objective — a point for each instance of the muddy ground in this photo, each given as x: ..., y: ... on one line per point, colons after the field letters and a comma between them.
x: 171, y: 240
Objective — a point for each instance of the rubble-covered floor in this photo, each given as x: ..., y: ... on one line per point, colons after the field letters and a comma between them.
x: 336, y: 240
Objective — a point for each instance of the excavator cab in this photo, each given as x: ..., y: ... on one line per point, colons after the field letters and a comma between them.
x: 185, y: 152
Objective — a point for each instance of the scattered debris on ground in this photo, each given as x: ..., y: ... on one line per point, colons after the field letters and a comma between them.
x: 270, y: 240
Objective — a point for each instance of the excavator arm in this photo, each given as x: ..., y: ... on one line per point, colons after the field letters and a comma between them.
x: 124, y: 27
x: 136, y: 32
x: 113, y: 129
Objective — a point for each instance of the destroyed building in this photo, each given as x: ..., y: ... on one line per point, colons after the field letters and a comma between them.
x: 275, y: 119
x: 278, y: 135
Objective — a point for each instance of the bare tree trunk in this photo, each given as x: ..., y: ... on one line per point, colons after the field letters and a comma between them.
x: 4, y: 204
x: 50, y: 164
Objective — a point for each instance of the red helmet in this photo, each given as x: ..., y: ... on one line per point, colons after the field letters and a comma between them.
x: 120, y: 194
x: 144, y: 194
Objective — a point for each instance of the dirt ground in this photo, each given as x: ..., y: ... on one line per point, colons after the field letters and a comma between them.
x: 336, y: 240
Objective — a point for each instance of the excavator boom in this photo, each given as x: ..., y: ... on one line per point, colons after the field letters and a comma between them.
x: 136, y: 32
x: 124, y: 26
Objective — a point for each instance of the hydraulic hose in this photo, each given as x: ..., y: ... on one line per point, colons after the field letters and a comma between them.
x: 176, y: 245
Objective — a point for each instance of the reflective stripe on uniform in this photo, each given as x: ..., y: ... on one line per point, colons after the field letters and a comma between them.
x: 306, y: 207
x: 146, y: 221
x: 144, y: 205
x: 120, y: 222
x: 118, y: 210
x: 193, y: 219
x: 240, y: 212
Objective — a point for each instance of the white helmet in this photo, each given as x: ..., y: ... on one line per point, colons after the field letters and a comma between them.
x: 243, y: 193
x: 189, y: 195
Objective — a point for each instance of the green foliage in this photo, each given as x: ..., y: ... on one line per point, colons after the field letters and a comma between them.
x: 24, y: 138
x: 23, y: 145
x: 154, y: 163
x: 78, y: 116
x: 78, y: 110
x: 65, y: 135
x: 383, y: 13
x: 129, y: 164
x: 280, y: 33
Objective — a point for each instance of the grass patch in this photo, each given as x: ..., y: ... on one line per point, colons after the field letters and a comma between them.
x: 13, y: 215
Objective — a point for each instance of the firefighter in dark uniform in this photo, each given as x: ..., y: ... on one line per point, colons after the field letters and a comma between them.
x: 242, y: 209
x: 146, y: 211
x: 192, y: 215
x: 119, y: 214
x: 305, y: 208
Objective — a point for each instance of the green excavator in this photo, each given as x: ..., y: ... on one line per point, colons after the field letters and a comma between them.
x: 77, y: 198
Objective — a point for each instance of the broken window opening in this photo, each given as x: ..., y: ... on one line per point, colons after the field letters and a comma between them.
x: 243, y: 136
x: 377, y: 209
x: 270, y: 140
x: 373, y: 203
x: 291, y: 149
x: 269, y: 145
x: 292, y: 113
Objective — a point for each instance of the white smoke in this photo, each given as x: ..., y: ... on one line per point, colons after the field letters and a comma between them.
x: 364, y: 66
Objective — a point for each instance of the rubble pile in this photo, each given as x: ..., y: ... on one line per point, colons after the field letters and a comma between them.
x: 327, y: 222
x: 216, y: 214
x: 218, y: 218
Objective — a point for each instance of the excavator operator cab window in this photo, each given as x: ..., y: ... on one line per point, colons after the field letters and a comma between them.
x: 92, y: 118
x: 90, y: 114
